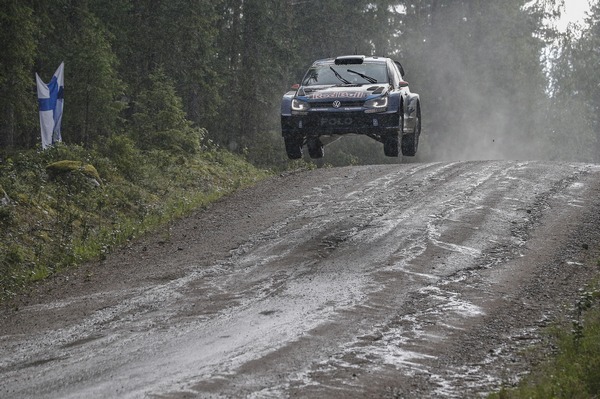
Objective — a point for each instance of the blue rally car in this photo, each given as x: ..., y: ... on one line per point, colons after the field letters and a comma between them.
x: 351, y: 94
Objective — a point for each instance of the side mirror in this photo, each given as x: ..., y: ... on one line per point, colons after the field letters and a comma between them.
x: 403, y: 83
x: 295, y: 86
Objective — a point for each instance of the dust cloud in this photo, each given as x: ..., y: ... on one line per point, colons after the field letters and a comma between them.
x: 471, y: 116
x: 484, y: 93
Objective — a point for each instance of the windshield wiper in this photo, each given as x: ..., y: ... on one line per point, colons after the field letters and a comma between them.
x: 365, y: 77
x: 337, y: 75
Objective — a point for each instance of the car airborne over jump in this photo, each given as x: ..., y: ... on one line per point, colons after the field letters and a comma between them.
x: 351, y: 94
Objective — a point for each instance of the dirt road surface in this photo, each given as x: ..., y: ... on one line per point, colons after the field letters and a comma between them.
x: 413, y: 280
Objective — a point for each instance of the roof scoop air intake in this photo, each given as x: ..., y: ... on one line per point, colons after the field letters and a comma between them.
x: 350, y: 60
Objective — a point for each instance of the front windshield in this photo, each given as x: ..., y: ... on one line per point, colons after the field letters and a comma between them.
x: 348, y: 74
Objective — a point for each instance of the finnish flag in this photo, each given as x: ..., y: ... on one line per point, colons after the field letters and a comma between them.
x: 51, y: 99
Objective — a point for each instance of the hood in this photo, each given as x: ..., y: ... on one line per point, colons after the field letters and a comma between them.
x: 361, y: 92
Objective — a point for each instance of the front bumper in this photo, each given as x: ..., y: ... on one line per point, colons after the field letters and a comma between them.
x: 315, y: 124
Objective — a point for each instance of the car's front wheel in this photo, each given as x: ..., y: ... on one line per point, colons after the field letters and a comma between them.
x: 410, y: 142
x: 293, y: 147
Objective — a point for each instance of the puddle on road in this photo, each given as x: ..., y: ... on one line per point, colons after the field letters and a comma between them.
x: 405, y: 343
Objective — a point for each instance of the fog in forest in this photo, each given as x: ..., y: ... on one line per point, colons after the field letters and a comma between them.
x: 496, y: 82
x: 485, y: 92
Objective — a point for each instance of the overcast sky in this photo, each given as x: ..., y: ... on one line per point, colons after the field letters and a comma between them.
x: 574, y: 12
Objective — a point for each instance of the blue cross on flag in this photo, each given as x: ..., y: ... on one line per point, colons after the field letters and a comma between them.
x: 51, y: 99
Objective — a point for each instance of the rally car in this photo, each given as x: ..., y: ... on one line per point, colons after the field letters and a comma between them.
x: 351, y: 94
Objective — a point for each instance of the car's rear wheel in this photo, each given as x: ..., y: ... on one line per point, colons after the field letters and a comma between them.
x: 293, y: 147
x: 390, y: 145
x: 410, y: 142
x: 315, y: 148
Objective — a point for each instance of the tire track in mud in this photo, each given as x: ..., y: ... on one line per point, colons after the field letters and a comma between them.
x: 444, y: 304
x: 447, y: 301
x: 363, y: 285
x: 376, y: 225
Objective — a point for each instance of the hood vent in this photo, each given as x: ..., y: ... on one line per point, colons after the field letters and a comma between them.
x: 376, y: 89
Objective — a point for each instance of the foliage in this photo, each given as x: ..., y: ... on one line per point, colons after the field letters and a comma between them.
x: 575, y: 93
x: 49, y: 224
x: 575, y: 371
x: 18, y: 35
x: 159, y: 122
x: 479, y: 67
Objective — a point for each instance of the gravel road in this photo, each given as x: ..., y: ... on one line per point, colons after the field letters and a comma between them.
x: 414, y: 280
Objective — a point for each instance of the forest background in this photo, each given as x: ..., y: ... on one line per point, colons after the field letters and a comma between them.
x: 495, y: 79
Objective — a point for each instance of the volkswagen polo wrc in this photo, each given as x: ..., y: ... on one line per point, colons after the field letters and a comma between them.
x: 352, y: 94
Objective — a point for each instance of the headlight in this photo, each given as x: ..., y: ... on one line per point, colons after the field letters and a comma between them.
x: 378, y: 104
x: 298, y: 105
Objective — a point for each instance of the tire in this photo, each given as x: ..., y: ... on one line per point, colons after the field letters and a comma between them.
x: 293, y: 147
x: 390, y: 145
x: 315, y: 148
x: 410, y: 142
x: 391, y: 141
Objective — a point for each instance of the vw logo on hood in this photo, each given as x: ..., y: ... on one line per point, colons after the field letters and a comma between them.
x: 337, y: 104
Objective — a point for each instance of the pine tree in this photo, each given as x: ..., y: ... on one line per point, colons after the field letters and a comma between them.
x: 159, y: 121
x: 18, y: 110
x: 573, y: 116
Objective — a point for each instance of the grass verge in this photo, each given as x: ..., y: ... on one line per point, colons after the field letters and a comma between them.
x: 575, y: 370
x: 68, y: 205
